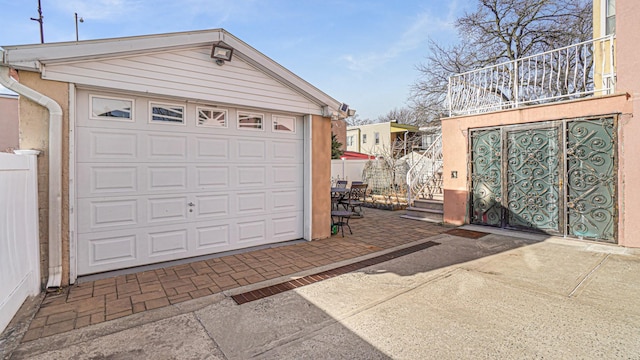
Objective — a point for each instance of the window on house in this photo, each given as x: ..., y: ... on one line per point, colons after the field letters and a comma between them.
x: 364, y: 138
x: 427, y: 140
x: 377, y: 138
x: 211, y: 117
x: 610, y: 17
x: 350, y: 140
x: 109, y: 108
x: 167, y: 113
x: 248, y: 120
x: 284, y: 124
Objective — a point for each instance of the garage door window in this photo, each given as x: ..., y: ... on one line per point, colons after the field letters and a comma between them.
x: 284, y: 124
x: 108, y: 108
x: 167, y: 113
x: 251, y: 121
x: 211, y: 117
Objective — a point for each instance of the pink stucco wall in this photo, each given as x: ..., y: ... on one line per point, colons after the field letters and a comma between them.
x: 455, y: 134
x: 8, y: 122
x: 628, y: 80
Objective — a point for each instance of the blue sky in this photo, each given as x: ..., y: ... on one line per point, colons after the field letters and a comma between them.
x: 363, y: 53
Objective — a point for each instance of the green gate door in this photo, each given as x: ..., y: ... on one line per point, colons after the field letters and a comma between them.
x: 486, y: 177
x: 557, y: 177
x: 591, y: 178
x: 533, y: 179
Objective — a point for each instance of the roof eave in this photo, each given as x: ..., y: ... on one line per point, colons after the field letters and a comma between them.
x: 31, y: 57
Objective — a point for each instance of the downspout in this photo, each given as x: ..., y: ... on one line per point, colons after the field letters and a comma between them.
x: 55, y: 168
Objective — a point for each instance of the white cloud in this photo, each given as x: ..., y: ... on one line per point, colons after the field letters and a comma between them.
x: 414, y: 35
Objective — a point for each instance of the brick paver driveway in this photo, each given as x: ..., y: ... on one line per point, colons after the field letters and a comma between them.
x: 114, y: 297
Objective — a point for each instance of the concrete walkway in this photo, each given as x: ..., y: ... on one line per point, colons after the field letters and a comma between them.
x: 499, y: 296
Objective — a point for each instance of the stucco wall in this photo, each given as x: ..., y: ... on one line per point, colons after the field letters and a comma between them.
x: 34, y: 134
x: 628, y: 80
x: 8, y: 122
x: 321, y: 177
x: 455, y: 135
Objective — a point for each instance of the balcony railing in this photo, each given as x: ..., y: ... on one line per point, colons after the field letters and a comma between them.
x: 576, y: 71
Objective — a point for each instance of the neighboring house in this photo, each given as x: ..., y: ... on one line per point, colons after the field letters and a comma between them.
x: 382, y: 139
x: 563, y: 161
x: 170, y: 146
x: 339, y: 129
x: 8, y: 121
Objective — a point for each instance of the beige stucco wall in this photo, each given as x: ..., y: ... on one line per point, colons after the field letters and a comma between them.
x: 455, y: 135
x: 321, y: 177
x: 34, y: 134
x: 8, y: 122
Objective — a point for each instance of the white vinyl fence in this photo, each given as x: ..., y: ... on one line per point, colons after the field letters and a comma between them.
x: 350, y: 170
x: 19, y: 255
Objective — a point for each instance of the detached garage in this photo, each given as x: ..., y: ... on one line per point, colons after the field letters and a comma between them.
x: 169, y: 147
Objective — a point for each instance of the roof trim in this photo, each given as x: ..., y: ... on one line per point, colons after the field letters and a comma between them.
x: 32, y: 57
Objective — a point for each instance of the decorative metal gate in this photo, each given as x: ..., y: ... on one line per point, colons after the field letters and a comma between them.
x: 556, y: 177
x: 533, y: 184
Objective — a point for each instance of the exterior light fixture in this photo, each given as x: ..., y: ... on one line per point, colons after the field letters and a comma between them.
x: 221, y: 53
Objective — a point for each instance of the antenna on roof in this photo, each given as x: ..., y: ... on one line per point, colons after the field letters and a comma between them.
x: 39, y: 19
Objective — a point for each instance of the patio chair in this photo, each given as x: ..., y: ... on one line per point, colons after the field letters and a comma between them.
x: 340, y: 218
x: 355, y: 198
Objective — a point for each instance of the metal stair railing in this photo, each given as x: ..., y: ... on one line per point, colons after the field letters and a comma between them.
x: 424, y: 178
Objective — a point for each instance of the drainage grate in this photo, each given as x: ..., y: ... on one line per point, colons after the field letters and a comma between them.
x: 466, y: 233
x: 310, y: 279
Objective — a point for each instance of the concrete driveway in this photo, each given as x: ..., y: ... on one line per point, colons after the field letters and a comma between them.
x: 499, y: 296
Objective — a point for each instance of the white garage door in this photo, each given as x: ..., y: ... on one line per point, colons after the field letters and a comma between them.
x: 161, y: 180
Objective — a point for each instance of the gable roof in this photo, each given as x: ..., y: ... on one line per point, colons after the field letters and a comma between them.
x: 32, y: 57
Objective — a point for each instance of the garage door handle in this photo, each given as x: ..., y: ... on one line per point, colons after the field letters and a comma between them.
x: 191, y: 204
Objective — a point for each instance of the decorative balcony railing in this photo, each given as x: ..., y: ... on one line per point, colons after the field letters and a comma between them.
x: 424, y: 178
x: 573, y: 72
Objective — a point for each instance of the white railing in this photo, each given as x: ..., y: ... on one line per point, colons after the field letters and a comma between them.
x: 424, y: 178
x: 572, y: 72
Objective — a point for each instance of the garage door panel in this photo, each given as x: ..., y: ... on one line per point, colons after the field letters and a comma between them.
x: 248, y: 203
x: 287, y: 227
x: 211, y: 149
x: 212, y: 177
x: 254, y: 176
x: 167, y: 178
x: 112, y: 179
x: 287, y: 200
x: 101, y: 144
x: 100, y: 214
x: 290, y: 151
x: 164, y: 243
x: 101, y: 252
x: 250, y: 150
x: 167, y: 209
x: 213, y: 238
x: 286, y: 175
x: 252, y: 230
x: 212, y: 206
x: 167, y: 147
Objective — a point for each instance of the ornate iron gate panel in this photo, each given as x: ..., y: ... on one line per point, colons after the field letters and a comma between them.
x: 590, y: 178
x: 486, y: 177
x: 556, y: 177
x: 533, y: 179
